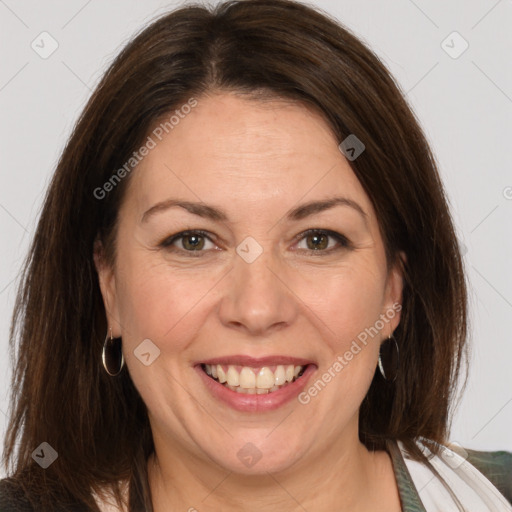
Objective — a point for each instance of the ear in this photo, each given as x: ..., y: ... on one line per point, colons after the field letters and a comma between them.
x: 394, y: 293
x: 106, y: 277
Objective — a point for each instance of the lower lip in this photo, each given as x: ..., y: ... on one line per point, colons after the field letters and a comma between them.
x: 256, y: 403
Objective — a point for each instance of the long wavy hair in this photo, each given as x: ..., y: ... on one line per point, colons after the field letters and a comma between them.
x: 263, y: 48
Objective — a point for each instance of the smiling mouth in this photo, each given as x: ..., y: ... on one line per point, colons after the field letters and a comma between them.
x: 254, y: 381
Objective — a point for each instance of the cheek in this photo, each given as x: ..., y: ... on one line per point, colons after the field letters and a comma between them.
x: 347, y: 300
x: 349, y: 305
x: 160, y: 303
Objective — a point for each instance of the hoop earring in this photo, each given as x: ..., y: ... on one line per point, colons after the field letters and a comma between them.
x: 392, y: 361
x: 112, y: 355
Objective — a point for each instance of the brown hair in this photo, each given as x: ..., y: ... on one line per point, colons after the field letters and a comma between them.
x: 60, y: 391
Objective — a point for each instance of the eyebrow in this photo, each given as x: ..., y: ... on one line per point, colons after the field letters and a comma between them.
x: 210, y: 212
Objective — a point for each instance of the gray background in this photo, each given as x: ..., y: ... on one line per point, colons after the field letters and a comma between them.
x: 464, y: 105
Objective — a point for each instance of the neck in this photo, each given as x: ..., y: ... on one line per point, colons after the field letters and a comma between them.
x: 347, y: 477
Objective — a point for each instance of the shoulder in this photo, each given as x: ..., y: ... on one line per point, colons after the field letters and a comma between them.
x: 12, y: 497
x: 496, y: 466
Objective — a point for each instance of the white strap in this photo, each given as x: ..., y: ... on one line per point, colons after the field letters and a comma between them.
x: 471, y: 488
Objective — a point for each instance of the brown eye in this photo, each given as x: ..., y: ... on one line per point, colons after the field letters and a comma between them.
x: 317, y: 241
x: 193, y: 242
x: 188, y: 241
x: 320, y: 241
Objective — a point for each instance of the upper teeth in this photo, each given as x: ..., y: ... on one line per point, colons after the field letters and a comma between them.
x: 247, y: 377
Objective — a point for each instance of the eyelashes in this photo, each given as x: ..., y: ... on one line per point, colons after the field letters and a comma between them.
x: 197, y: 235
x: 326, y: 234
x: 194, y: 242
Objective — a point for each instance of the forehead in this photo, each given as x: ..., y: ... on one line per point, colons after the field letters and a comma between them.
x: 230, y: 150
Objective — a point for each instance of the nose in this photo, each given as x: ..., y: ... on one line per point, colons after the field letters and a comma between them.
x: 257, y: 298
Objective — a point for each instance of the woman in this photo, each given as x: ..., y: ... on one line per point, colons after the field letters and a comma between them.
x: 245, y: 290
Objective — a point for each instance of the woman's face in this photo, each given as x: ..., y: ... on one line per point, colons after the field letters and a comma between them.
x: 252, y: 295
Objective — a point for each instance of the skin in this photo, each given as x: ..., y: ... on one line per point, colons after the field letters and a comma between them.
x: 255, y: 160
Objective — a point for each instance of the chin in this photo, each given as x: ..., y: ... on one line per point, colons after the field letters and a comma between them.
x: 257, y: 454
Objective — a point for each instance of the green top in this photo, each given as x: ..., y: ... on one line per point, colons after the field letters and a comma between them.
x: 496, y: 466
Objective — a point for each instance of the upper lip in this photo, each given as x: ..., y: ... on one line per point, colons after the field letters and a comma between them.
x: 257, y: 362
